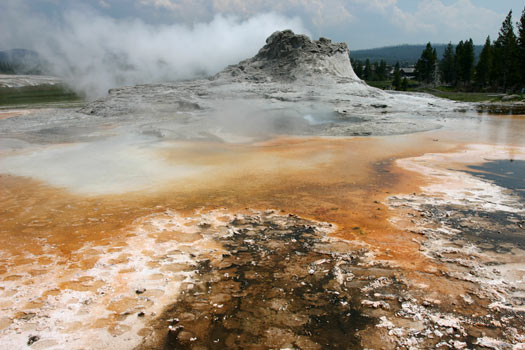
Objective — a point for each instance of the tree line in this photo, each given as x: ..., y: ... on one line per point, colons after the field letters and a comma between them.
x: 376, y: 71
x: 7, y: 68
x: 380, y: 71
x: 500, y: 67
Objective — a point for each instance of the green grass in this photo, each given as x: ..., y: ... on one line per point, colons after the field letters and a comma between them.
x: 380, y: 84
x: 460, y: 96
x: 387, y: 84
x: 446, y: 92
x: 38, y: 95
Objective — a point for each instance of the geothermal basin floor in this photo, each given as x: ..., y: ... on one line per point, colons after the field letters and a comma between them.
x: 391, y: 242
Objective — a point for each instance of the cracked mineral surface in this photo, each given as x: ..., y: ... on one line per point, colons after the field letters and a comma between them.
x: 249, y: 211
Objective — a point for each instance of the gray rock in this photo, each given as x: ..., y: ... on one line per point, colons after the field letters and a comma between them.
x: 510, y: 97
x: 32, y: 339
x: 288, y: 57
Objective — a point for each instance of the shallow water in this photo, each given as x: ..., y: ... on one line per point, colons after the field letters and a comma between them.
x: 508, y: 173
x: 116, y: 164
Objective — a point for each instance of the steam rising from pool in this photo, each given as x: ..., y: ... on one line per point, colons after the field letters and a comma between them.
x: 94, y: 52
x: 117, y: 164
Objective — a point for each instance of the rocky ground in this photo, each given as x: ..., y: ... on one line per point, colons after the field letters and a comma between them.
x: 281, y: 283
x: 266, y: 280
x: 475, y: 228
x: 510, y: 108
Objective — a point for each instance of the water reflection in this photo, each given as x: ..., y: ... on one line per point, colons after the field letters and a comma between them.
x: 506, y: 173
x: 485, y: 128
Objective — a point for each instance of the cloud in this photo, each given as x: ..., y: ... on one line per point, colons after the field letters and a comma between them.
x: 95, y: 52
x: 183, y: 10
x: 434, y: 20
x: 391, y: 22
x: 375, y: 5
x: 320, y: 12
x: 435, y: 16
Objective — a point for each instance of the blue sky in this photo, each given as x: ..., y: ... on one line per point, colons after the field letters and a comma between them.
x: 360, y: 23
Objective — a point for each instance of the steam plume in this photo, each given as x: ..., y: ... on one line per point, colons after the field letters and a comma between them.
x: 93, y: 52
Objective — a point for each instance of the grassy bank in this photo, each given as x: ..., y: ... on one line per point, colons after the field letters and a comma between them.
x: 38, y: 95
x: 447, y: 92
x: 462, y: 96
x: 387, y: 84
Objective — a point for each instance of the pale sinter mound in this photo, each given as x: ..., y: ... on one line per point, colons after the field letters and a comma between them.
x: 289, y: 57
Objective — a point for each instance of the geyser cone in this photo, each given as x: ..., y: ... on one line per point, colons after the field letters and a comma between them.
x: 288, y: 57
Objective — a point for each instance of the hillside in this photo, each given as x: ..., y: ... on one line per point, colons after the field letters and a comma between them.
x: 405, y: 54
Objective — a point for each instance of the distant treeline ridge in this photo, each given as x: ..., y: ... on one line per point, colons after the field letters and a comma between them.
x: 499, y: 65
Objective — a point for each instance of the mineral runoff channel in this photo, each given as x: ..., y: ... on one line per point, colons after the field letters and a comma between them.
x: 293, y: 242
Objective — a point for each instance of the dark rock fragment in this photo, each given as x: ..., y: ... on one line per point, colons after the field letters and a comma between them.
x: 32, y: 339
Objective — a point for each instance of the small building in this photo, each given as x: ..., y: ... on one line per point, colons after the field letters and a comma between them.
x: 408, y: 72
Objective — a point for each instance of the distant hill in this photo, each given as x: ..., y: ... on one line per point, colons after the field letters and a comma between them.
x: 404, y: 54
x: 21, y: 61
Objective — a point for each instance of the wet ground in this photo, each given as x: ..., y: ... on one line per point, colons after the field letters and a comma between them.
x: 304, y: 243
x: 279, y: 284
x: 475, y: 228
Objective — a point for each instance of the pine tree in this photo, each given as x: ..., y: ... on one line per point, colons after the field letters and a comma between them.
x: 7, y: 68
x: 397, y: 77
x: 381, y: 71
x: 457, y: 62
x: 426, y: 65
x: 484, y: 65
x: 358, y: 68
x: 521, y: 48
x: 466, y: 62
x: 367, y: 73
x: 505, y: 63
x: 496, y: 68
x: 447, y: 65
x: 404, y: 84
x: 435, y: 75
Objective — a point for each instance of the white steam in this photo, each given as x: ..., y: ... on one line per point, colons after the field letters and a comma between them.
x: 93, y: 52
